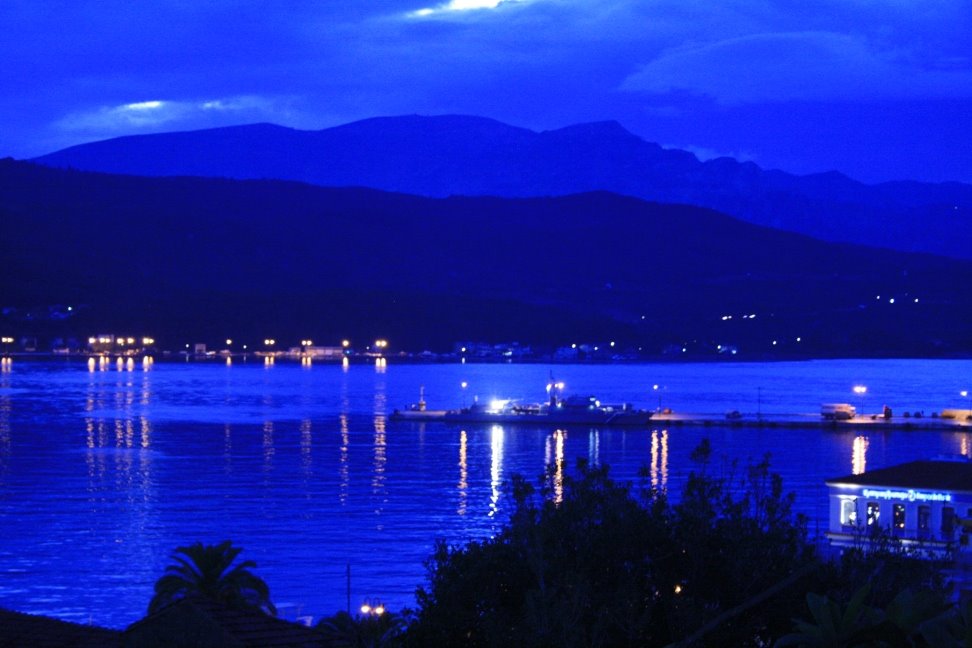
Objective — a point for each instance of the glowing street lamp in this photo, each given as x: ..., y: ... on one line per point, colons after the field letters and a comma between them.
x: 860, y: 390
x: 368, y: 609
x: 657, y: 389
x: 463, y: 385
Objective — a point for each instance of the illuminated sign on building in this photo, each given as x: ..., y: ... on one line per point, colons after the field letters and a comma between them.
x: 907, y: 495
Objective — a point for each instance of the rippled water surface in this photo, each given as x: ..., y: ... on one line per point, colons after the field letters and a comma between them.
x: 105, y: 469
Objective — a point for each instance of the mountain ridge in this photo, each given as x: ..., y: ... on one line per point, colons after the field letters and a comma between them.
x: 466, y: 155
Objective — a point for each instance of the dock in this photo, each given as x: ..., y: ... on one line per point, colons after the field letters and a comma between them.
x: 870, y: 423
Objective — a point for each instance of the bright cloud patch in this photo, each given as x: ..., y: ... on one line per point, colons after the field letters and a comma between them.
x: 148, y: 115
x: 798, y: 66
x: 454, y: 6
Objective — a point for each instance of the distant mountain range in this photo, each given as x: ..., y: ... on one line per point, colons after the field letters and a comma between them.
x: 189, y: 259
x: 472, y: 156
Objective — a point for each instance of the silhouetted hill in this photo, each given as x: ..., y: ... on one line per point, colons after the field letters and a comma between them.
x: 215, y: 258
x: 473, y: 156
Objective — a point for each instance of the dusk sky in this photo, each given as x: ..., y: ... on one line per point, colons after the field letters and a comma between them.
x: 879, y: 90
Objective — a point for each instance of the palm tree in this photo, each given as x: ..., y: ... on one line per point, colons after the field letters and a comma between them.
x: 208, y: 571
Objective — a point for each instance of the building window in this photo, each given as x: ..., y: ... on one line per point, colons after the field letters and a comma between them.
x: 898, y: 517
x: 848, y: 512
x: 948, y: 522
x: 873, y: 513
x: 924, y: 521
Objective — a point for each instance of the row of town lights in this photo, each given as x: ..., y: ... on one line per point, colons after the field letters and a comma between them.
x: 146, y: 341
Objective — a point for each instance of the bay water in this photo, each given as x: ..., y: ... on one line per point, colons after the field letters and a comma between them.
x: 106, y: 467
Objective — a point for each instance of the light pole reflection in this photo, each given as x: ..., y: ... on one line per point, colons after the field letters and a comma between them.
x: 859, y: 455
x: 463, y: 474
x: 306, y: 447
x: 343, y: 457
x: 268, y: 449
x: 594, y: 447
x: 496, y: 467
x: 658, y: 470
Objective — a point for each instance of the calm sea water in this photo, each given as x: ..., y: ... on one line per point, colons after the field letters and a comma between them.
x: 105, y: 469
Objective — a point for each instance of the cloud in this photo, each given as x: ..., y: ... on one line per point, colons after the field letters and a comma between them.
x: 459, y: 6
x: 800, y: 66
x: 705, y: 154
x: 145, y: 116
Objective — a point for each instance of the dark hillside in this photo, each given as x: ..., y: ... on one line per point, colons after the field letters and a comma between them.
x: 206, y: 257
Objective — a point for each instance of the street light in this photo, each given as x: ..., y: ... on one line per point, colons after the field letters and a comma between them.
x: 860, y: 390
x: 464, y: 384
x: 657, y: 389
x: 369, y: 609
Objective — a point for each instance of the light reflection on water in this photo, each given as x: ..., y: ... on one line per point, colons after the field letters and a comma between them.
x: 463, y: 474
x: 103, y: 470
x: 859, y: 458
x: 658, y: 470
x: 496, y: 436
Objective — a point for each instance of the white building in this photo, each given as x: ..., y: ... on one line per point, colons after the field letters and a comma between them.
x: 920, y: 501
x: 924, y: 503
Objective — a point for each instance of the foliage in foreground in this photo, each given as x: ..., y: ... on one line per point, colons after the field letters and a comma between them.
x: 345, y: 631
x: 598, y: 565
x: 211, y: 571
x: 922, y: 619
x: 589, y: 562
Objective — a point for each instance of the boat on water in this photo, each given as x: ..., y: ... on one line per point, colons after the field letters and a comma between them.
x: 572, y: 410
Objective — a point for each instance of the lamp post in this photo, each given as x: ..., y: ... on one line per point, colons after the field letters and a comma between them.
x: 657, y: 389
x: 375, y: 609
x: 860, y: 390
x: 463, y: 385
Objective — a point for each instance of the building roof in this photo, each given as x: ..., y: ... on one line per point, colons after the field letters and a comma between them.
x: 200, y: 621
x: 926, y: 475
x: 19, y: 629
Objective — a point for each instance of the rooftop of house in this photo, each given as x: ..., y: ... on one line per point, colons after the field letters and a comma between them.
x: 20, y: 629
x: 939, y: 475
x: 206, y: 622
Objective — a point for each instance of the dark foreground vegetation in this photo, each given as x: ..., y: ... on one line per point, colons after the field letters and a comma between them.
x: 586, y: 561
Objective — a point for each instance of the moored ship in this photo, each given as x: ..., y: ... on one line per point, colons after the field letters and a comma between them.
x: 572, y: 410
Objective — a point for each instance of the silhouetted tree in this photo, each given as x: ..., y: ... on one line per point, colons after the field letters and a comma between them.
x: 209, y: 571
x: 371, y: 631
x: 594, y: 565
